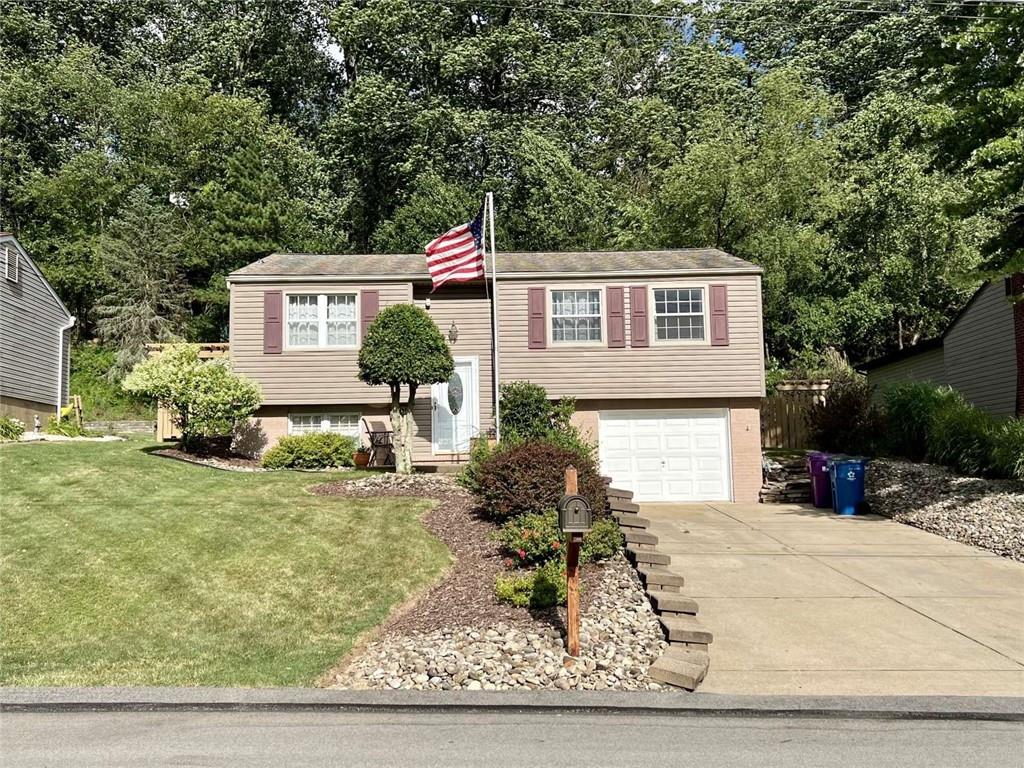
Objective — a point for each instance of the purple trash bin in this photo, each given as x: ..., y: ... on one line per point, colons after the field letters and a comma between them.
x: 821, y: 482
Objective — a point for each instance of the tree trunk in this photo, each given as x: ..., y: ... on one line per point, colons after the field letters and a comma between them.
x: 401, y: 425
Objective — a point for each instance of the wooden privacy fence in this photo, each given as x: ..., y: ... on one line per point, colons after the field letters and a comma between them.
x: 783, y: 413
x: 165, y: 427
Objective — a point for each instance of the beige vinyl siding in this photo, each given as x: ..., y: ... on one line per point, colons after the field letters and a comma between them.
x: 980, y: 352
x: 924, y: 366
x: 31, y: 319
x: 308, y: 376
x: 663, y: 370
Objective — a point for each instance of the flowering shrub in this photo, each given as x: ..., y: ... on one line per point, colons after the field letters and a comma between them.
x: 11, y: 429
x: 205, y: 397
x: 535, y: 538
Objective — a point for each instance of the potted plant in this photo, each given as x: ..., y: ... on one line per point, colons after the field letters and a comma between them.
x: 361, y: 457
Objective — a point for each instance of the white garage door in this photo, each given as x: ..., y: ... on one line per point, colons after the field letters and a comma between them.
x: 667, y: 455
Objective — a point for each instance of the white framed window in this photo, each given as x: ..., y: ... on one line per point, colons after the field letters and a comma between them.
x: 335, y: 423
x: 576, y: 315
x: 679, y: 314
x: 11, y: 264
x: 317, y: 321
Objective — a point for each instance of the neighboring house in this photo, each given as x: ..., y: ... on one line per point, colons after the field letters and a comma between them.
x: 661, y: 349
x: 35, y: 335
x: 981, y: 353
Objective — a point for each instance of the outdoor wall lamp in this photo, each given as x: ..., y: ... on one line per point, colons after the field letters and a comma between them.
x: 426, y: 303
x: 453, y: 332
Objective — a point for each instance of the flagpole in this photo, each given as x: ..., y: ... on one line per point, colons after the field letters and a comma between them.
x: 494, y: 320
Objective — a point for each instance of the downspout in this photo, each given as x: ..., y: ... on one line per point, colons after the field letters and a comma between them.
x: 60, y: 367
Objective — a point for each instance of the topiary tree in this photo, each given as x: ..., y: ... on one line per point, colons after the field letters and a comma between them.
x: 206, y: 398
x: 403, y: 347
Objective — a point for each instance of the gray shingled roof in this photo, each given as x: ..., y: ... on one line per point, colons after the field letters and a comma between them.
x: 699, y: 260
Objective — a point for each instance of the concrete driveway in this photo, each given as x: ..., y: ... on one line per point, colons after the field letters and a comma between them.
x: 801, y: 601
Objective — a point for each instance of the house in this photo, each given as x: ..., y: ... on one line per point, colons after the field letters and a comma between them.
x: 35, y: 339
x: 980, y: 354
x: 661, y: 349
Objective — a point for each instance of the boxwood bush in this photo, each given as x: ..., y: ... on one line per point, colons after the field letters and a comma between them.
x: 544, y: 587
x: 318, y: 450
x: 530, y: 478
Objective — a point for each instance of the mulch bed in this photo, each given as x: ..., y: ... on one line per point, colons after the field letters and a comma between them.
x: 231, y: 462
x: 465, y: 596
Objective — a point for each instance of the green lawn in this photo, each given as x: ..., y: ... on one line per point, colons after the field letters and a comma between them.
x: 122, y: 568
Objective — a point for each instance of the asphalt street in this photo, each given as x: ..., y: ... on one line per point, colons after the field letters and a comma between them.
x: 86, y: 739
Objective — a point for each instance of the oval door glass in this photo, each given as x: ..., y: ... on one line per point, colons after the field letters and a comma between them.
x: 455, y: 393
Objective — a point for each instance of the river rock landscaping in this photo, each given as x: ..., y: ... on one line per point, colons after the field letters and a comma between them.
x: 458, y: 636
x: 986, y: 513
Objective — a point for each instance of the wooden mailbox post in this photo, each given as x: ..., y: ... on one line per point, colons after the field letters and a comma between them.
x: 575, y: 519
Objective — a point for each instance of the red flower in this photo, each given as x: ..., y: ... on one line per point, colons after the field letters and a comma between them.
x: 508, y: 562
x: 522, y: 554
x: 556, y: 545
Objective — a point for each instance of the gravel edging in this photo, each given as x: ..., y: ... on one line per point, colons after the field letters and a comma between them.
x: 457, y: 636
x: 982, y: 512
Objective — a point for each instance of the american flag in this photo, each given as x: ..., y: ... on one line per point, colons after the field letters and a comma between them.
x: 458, y: 254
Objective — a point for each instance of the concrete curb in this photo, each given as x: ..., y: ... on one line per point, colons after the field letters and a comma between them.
x: 70, y: 700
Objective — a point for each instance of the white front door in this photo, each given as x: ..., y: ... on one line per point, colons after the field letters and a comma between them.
x: 667, y: 455
x: 456, y: 408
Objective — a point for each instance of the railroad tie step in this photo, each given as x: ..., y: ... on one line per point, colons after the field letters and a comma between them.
x: 647, y: 556
x: 619, y: 493
x: 680, y: 667
x: 669, y: 603
x: 639, y: 536
x: 652, y: 574
x: 628, y: 520
x: 683, y: 628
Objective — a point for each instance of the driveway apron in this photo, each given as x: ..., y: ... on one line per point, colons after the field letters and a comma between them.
x: 802, y: 601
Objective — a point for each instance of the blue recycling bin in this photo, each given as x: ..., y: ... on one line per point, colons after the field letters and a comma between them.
x: 847, y: 474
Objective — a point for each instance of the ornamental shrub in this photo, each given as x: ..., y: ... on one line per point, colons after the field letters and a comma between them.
x: 909, y: 411
x: 469, y: 477
x: 1007, y: 458
x: 542, y: 588
x: 847, y: 420
x: 530, y: 478
x: 11, y: 429
x: 535, y: 538
x: 317, y: 450
x: 532, y: 538
x: 602, y: 541
x: 66, y: 427
x: 528, y: 414
x: 205, y: 397
x: 962, y: 437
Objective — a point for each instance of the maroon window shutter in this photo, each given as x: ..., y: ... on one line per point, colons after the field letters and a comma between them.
x: 537, y: 321
x: 719, y: 315
x: 616, y: 316
x: 272, y: 310
x: 638, y: 316
x: 369, y: 306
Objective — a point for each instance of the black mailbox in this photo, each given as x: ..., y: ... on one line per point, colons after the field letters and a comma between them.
x: 574, y: 515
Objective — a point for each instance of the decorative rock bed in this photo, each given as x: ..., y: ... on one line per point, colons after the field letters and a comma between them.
x: 983, y: 512
x: 619, y: 636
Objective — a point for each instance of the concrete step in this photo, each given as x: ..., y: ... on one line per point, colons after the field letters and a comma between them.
x: 683, y: 628
x: 639, y: 536
x: 619, y: 493
x: 652, y: 574
x: 680, y: 667
x: 622, y: 505
x: 629, y: 520
x: 667, y: 603
x: 646, y: 556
